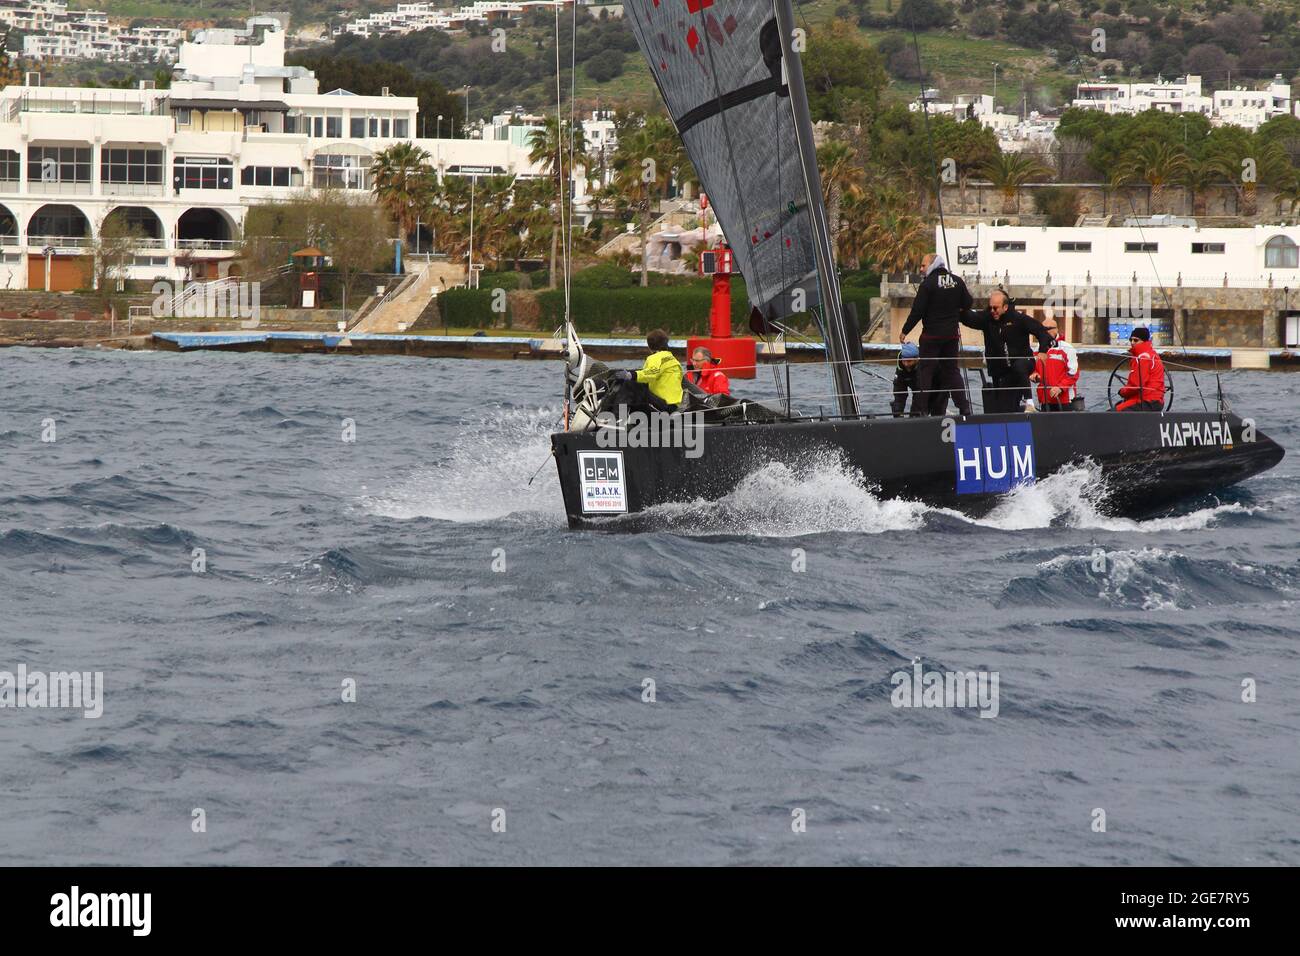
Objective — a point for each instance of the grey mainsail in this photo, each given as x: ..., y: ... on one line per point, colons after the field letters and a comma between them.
x: 719, y: 68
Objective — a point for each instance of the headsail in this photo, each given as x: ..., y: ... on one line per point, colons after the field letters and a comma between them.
x: 719, y: 68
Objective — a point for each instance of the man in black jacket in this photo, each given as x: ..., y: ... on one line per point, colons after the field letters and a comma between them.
x: 1007, y: 351
x: 941, y: 298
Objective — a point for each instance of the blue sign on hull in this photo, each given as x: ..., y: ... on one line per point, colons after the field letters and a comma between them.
x: 994, y: 458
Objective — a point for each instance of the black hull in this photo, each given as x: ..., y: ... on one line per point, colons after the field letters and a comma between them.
x: 1149, y: 460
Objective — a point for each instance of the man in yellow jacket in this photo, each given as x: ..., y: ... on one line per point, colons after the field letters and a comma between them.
x: 661, y: 373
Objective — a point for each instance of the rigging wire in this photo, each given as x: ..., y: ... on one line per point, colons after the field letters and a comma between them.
x: 559, y: 149
x: 568, y: 188
x: 929, y: 135
x: 570, y: 334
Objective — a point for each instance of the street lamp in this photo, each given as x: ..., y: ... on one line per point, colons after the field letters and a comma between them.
x: 467, y: 109
x: 995, y: 86
x: 439, y: 135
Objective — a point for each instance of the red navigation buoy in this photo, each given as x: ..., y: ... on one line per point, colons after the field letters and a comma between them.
x: 736, y: 354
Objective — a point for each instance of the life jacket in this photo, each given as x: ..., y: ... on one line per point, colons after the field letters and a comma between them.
x: 1058, y: 367
x: 712, y: 381
x: 1146, y: 377
x: 663, y: 374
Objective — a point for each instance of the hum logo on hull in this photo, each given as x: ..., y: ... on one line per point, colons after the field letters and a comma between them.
x: 994, y: 458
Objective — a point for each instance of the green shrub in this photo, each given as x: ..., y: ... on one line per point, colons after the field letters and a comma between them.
x: 863, y: 278
x: 680, y: 310
x: 467, y: 308
x: 503, y: 280
x: 605, y: 275
x: 1060, y: 204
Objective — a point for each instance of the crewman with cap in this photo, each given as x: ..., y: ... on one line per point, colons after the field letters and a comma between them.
x: 1145, y: 389
x: 905, y: 379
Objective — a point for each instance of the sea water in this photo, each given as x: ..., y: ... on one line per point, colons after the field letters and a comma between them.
x: 336, y: 624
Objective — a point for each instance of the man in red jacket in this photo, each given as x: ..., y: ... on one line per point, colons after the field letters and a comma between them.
x: 706, y: 375
x: 1145, y: 390
x: 1057, y: 371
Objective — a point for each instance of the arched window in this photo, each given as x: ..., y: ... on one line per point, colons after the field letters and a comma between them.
x: 1281, y: 253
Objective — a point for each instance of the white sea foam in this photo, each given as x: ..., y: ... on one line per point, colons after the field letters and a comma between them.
x: 486, y: 475
x: 1071, y: 498
x: 1123, y: 576
x: 777, y: 500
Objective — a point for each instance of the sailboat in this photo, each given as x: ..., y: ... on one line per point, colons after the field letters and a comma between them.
x: 731, y: 78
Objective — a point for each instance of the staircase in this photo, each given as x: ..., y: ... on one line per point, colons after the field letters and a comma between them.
x: 631, y: 241
x: 398, y: 310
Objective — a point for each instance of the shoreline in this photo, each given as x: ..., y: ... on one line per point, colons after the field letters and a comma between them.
x: 533, y: 348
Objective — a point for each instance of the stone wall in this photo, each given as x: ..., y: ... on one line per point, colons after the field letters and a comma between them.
x: 1227, y: 328
x: 1218, y: 203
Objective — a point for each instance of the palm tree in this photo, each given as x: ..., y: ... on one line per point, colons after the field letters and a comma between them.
x: 1157, y: 164
x: 1288, y: 194
x: 891, y: 234
x: 556, y: 145
x: 402, y: 183
x: 630, y: 189
x: 1245, y: 165
x: 856, y: 210
x: 842, y: 180
x: 1199, y: 177
x: 1009, y: 171
x: 446, y: 210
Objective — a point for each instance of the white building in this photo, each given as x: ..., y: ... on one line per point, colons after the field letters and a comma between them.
x: 1253, y: 108
x: 1182, y: 95
x: 414, y: 17
x: 1149, y: 251
x: 237, y: 127
x: 1236, y: 107
x: 54, y: 32
x: 1014, y: 133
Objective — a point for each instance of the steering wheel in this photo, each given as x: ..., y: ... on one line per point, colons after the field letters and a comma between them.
x: 1119, y: 376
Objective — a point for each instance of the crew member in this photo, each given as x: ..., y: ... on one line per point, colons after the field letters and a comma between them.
x: 1057, y: 372
x: 1145, y: 389
x: 1007, y: 352
x: 661, y: 375
x: 704, y: 373
x: 905, y: 379
x: 940, y: 299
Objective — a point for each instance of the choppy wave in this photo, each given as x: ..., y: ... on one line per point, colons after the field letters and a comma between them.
x: 342, y: 569
x: 486, y: 475
x: 827, y: 495
x: 1149, y: 579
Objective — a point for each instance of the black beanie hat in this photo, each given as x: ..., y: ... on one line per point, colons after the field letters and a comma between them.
x: 1141, y: 332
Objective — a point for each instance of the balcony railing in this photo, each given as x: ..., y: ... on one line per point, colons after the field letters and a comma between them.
x: 1276, y: 277
x: 8, y: 240
x: 59, y: 242
x: 133, y: 189
x: 123, y: 103
x: 54, y: 188
x: 217, y: 245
